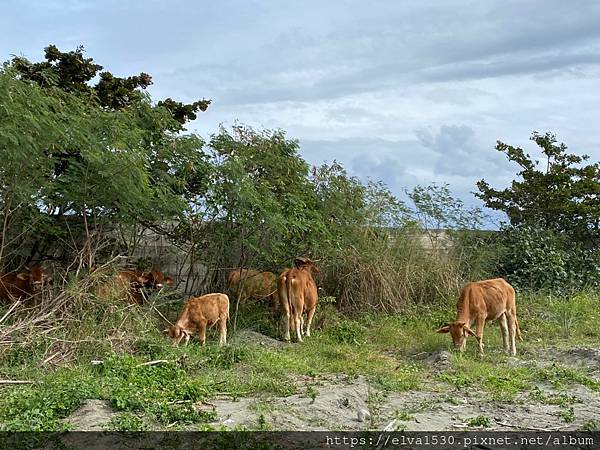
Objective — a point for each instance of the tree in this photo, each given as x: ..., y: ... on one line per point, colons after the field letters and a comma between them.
x: 437, y: 209
x: 102, y: 153
x: 559, y: 194
x: 262, y: 191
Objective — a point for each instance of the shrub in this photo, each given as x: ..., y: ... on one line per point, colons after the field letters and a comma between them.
x: 541, y: 259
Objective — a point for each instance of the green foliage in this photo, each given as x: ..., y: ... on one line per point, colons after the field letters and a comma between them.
x: 538, y: 258
x: 163, y: 391
x: 99, y: 153
x: 312, y: 393
x: 478, y: 253
x: 437, y: 209
x: 561, y: 399
x: 41, y: 408
x: 347, y: 332
x: 590, y: 425
x: 560, y: 376
x: 127, y: 422
x: 262, y: 190
x: 404, y: 415
x: 479, y: 421
x: 567, y: 414
x: 561, y: 196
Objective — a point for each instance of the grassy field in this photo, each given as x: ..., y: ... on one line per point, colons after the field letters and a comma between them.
x: 103, y: 354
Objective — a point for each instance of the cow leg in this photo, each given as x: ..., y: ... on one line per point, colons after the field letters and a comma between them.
x: 512, y: 331
x: 479, y: 324
x: 223, y: 331
x: 298, y: 325
x: 285, y: 315
x: 504, y: 330
x: 202, y: 332
x: 309, y: 318
x: 286, y: 324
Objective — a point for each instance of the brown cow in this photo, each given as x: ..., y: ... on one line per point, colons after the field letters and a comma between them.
x: 298, y: 294
x: 130, y: 284
x: 156, y: 279
x: 483, y: 301
x: 197, y: 314
x: 21, y: 285
x: 252, y: 284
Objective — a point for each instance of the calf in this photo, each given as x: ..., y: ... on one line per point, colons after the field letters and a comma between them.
x: 298, y: 294
x: 130, y: 284
x: 156, y: 279
x: 21, y: 285
x: 197, y: 314
x: 252, y: 284
x: 483, y: 301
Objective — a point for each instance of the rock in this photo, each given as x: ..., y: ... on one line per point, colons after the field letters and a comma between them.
x: 440, y: 359
x: 363, y: 415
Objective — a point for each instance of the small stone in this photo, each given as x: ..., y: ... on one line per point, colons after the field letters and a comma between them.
x: 363, y: 415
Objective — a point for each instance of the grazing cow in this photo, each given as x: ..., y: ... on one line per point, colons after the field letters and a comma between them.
x: 130, y: 284
x: 21, y: 285
x: 156, y: 279
x: 252, y: 284
x: 483, y: 301
x: 197, y: 314
x: 298, y: 294
x: 125, y: 284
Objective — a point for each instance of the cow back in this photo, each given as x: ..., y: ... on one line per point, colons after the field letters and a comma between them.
x: 209, y: 308
x: 15, y: 286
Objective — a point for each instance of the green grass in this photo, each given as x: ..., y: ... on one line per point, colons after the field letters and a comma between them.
x: 590, y: 425
x: 479, y: 421
x: 376, y: 346
x: 127, y: 422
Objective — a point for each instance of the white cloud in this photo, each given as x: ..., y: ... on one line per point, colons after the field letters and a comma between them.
x: 411, y: 92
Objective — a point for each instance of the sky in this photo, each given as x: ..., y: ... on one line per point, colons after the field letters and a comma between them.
x: 407, y: 92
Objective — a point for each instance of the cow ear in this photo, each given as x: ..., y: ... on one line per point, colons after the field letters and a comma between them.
x: 469, y: 331
x: 168, y: 280
x: 23, y: 276
x: 444, y: 329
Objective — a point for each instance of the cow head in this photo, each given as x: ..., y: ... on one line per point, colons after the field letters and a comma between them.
x: 156, y: 279
x: 176, y: 334
x: 35, y: 275
x: 459, y: 332
x: 302, y: 262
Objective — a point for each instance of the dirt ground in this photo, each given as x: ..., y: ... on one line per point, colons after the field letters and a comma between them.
x: 334, y: 402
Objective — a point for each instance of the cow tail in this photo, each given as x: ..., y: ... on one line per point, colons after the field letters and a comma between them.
x: 227, y: 307
x: 290, y: 291
x: 518, y: 329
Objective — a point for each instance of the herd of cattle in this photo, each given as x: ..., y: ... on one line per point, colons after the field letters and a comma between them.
x: 293, y: 294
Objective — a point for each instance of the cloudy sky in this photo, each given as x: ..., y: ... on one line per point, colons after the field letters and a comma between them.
x: 404, y: 91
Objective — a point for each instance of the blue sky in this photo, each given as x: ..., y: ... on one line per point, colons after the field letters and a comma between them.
x: 408, y: 92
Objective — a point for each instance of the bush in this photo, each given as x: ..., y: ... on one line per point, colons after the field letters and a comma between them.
x: 539, y: 259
